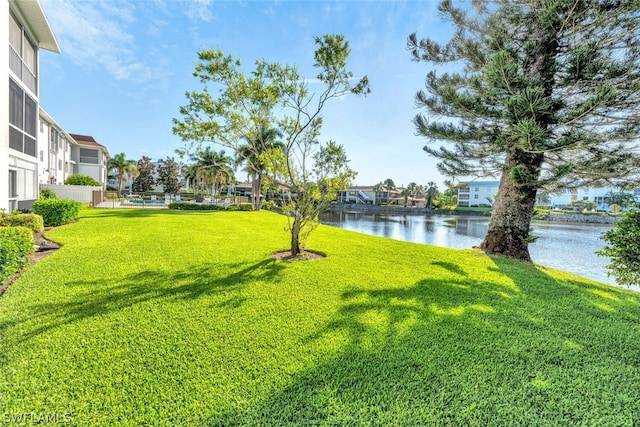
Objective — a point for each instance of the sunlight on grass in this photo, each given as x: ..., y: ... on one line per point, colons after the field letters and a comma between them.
x: 149, y: 317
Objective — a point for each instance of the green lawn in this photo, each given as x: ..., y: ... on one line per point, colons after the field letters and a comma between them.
x: 151, y: 317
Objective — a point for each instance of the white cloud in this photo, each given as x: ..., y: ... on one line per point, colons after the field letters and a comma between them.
x: 97, y: 34
x: 199, y: 10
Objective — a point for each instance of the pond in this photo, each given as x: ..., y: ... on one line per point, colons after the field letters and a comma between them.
x: 565, y: 246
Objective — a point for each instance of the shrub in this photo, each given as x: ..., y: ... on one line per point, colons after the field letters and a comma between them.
x: 77, y: 179
x: 29, y: 220
x: 15, y: 244
x: 623, y: 248
x: 57, y: 211
x: 46, y: 193
x: 240, y: 207
x: 193, y: 207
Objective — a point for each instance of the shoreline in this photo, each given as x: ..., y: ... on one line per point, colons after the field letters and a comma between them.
x: 410, y: 210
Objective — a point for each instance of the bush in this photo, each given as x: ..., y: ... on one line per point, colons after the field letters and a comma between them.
x: 15, y: 244
x: 77, y: 179
x: 46, y: 193
x: 240, y: 207
x: 623, y: 248
x: 57, y: 212
x: 15, y: 219
x: 193, y: 207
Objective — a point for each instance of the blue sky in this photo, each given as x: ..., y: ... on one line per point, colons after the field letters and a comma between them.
x: 125, y: 66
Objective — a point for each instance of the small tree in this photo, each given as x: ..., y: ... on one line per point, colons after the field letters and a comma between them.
x: 122, y: 168
x: 277, y: 96
x: 623, y: 249
x: 145, y: 181
x: 168, y: 172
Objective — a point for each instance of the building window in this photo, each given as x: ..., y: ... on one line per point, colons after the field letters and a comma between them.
x: 23, y: 55
x: 41, y: 156
x: 60, y: 164
x: 13, y: 184
x: 22, y: 183
x: 55, y: 141
x: 23, y: 118
x: 475, y: 196
x: 88, y: 156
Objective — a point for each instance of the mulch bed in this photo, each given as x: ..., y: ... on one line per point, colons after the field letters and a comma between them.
x: 44, y: 248
x: 306, y: 256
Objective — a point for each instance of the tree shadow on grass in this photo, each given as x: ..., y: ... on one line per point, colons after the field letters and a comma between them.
x: 467, y: 352
x: 104, y: 295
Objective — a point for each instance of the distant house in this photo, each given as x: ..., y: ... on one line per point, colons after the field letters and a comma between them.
x: 483, y: 193
x: 367, y: 195
x: 92, y: 158
x: 26, y: 32
x: 477, y: 193
x: 600, y: 195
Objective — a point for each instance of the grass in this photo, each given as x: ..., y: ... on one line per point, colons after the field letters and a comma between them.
x: 150, y: 317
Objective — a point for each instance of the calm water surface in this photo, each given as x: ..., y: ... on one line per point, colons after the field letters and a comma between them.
x: 568, y: 247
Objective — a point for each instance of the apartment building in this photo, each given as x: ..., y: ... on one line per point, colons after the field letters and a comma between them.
x: 26, y: 33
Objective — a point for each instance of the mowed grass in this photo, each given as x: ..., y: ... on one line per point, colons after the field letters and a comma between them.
x: 149, y: 317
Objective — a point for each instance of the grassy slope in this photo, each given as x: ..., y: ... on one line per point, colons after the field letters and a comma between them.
x: 182, y: 318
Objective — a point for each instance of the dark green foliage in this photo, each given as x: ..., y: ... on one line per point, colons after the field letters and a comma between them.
x: 77, y: 179
x: 240, y: 207
x: 15, y: 219
x: 57, y: 212
x: 195, y: 207
x: 46, y: 193
x: 15, y: 244
x: 623, y: 248
x: 145, y: 181
x: 168, y: 172
x: 544, y: 93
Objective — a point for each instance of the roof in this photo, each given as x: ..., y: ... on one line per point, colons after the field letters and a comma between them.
x: 38, y: 23
x: 88, y: 141
x: 85, y: 140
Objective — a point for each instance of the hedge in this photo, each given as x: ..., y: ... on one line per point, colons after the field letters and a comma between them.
x: 196, y: 207
x: 15, y: 219
x: 57, y: 211
x: 15, y: 244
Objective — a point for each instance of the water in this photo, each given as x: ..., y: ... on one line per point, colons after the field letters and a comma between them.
x: 568, y: 247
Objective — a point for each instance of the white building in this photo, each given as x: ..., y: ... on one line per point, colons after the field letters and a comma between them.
x: 477, y: 193
x: 92, y: 158
x: 483, y: 193
x: 57, y: 151
x: 601, y: 197
x: 26, y: 32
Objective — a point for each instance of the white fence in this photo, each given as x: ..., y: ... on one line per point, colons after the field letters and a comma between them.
x: 79, y: 193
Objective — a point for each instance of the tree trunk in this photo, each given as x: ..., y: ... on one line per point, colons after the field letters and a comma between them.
x: 259, y: 190
x: 255, y: 191
x: 510, y: 222
x: 295, y: 236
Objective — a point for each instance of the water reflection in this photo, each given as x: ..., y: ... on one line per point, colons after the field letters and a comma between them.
x: 569, y: 247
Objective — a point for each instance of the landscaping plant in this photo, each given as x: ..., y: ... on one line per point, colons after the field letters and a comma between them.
x: 623, y: 248
x: 57, y: 211
x: 15, y: 244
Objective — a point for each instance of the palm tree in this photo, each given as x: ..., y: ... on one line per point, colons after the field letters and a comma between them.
x: 191, y: 176
x: 212, y: 169
x: 251, y: 155
x: 121, y: 166
x: 431, y: 193
x: 389, y: 184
